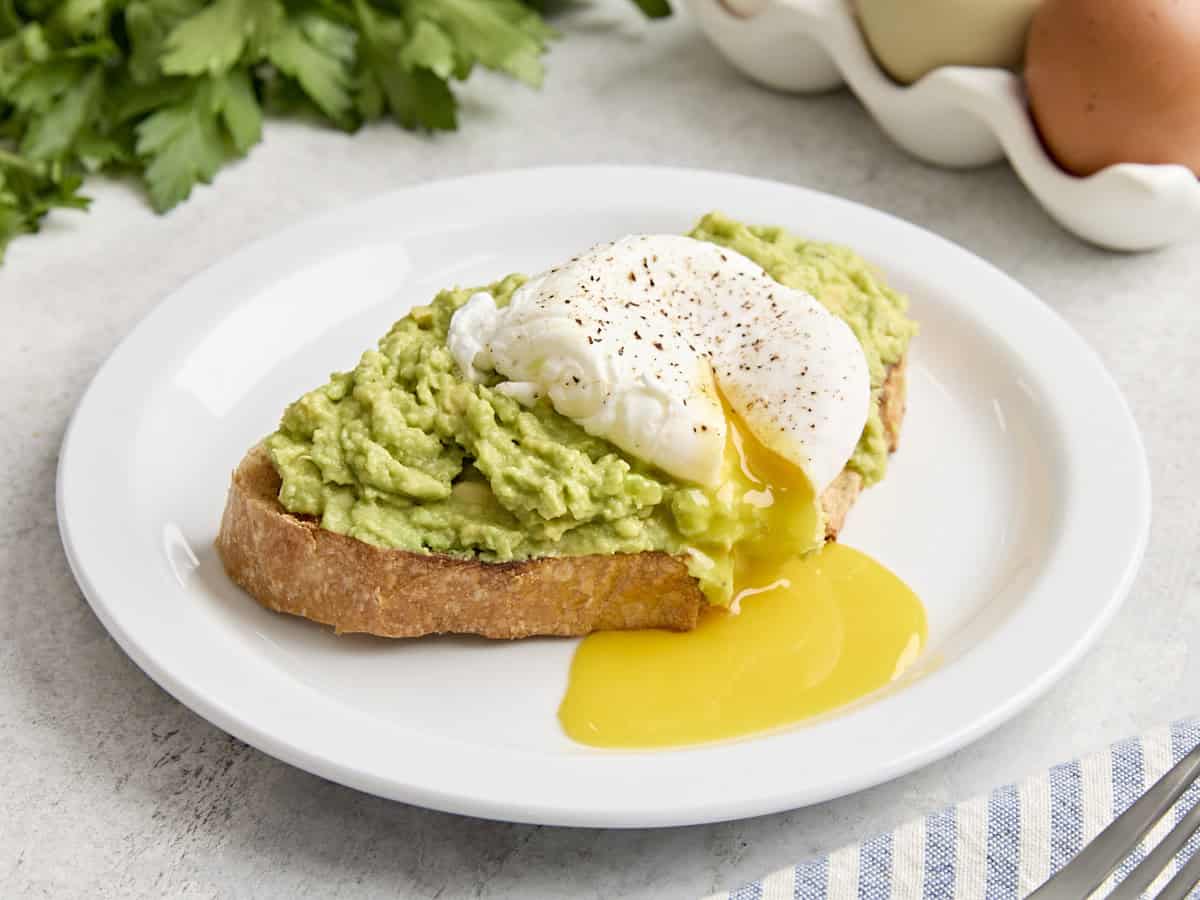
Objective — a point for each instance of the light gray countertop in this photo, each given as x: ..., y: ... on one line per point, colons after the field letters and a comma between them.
x: 112, y: 788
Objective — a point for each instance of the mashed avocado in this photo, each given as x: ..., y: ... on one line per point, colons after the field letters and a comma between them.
x: 404, y: 452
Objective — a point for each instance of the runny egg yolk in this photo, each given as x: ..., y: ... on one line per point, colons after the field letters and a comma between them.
x: 807, y: 634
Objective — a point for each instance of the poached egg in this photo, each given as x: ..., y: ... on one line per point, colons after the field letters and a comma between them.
x: 690, y: 357
x: 638, y: 340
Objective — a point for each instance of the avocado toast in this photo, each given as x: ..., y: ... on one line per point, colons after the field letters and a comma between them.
x: 402, y: 499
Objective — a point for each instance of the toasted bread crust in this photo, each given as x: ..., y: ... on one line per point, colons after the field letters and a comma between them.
x: 289, y: 564
x: 844, y: 490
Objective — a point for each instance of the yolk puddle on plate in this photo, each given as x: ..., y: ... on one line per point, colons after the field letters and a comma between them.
x: 813, y: 634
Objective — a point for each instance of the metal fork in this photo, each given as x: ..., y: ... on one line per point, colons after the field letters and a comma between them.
x: 1099, y: 859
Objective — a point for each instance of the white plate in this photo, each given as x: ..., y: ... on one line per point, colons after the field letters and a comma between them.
x: 1018, y: 508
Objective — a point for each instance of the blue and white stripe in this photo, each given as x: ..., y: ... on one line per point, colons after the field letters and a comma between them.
x: 1002, y: 846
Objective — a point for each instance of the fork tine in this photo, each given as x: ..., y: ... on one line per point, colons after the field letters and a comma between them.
x: 1158, y: 858
x: 1184, y: 882
x: 1097, y: 860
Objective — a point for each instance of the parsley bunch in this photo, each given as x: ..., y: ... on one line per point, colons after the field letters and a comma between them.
x: 172, y: 89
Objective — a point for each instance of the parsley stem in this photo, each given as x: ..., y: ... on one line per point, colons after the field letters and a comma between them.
x: 13, y: 161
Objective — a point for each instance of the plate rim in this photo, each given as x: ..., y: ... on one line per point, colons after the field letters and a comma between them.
x: 627, y: 815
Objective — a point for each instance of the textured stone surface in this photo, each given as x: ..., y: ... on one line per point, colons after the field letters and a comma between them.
x: 111, y: 788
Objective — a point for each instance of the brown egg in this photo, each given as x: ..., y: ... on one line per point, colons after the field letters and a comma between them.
x: 1114, y: 81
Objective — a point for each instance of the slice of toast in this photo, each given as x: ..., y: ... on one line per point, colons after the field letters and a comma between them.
x: 290, y: 564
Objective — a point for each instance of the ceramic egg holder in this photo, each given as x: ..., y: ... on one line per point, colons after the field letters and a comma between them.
x: 956, y: 116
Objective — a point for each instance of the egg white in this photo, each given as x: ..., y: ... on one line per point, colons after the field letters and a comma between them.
x: 632, y: 340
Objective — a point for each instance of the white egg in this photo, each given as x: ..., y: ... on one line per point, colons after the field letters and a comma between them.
x: 627, y: 339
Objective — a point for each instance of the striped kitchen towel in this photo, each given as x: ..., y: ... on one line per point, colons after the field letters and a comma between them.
x: 1002, y: 845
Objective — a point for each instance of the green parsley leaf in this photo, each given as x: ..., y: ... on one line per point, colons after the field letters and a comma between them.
x: 187, y: 142
x: 319, y: 54
x: 214, y: 39
x: 181, y: 145
x: 429, y: 47
x: 100, y: 151
x: 81, y: 18
x: 147, y: 23
x: 239, y: 110
x: 62, y: 118
x: 416, y: 97
x: 133, y: 100
x: 39, y: 86
x: 499, y: 34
